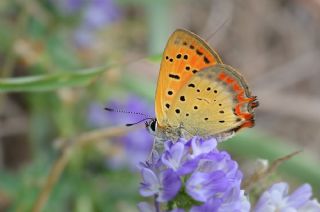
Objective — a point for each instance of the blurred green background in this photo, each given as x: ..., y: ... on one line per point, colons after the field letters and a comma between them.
x: 62, y: 62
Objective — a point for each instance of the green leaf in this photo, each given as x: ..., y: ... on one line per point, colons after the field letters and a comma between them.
x: 51, y: 81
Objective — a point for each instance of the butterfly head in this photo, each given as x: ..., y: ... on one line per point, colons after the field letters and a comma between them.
x: 151, y: 126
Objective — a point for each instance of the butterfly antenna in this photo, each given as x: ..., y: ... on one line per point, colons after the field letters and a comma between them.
x: 124, y: 111
x: 129, y: 125
x: 217, y: 30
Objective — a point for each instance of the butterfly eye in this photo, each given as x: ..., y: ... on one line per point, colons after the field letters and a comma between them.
x: 153, y: 125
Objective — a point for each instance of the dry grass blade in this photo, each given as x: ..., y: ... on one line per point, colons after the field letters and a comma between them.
x: 62, y: 161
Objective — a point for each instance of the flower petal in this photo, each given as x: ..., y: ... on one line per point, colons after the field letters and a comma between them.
x: 170, y: 185
x: 300, y: 196
x: 235, y: 200
x: 150, y: 183
x: 200, y: 146
x: 188, y: 167
x: 172, y: 157
x: 311, y: 206
x: 209, y: 206
x: 202, y: 186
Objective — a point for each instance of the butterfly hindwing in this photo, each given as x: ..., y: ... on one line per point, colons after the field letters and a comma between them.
x: 213, y: 101
x: 185, y: 55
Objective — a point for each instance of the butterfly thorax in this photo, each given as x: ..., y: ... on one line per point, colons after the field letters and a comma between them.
x: 173, y: 133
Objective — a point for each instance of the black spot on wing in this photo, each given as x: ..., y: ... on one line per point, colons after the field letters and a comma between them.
x: 206, y: 60
x: 174, y: 76
x: 199, y: 52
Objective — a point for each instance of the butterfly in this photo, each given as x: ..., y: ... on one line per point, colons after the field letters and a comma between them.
x: 198, y: 95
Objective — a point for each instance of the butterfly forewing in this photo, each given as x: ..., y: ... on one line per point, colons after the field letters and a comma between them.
x: 185, y: 55
x: 215, y: 100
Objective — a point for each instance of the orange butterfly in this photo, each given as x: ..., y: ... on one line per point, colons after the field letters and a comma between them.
x: 197, y: 94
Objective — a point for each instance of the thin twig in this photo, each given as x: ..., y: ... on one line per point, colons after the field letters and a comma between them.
x: 227, y: 20
x: 259, y: 175
x: 62, y: 161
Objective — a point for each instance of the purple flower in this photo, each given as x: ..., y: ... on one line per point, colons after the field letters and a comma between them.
x: 206, y: 175
x: 138, y: 143
x: 164, y: 187
x: 276, y: 198
x: 236, y: 201
x: 199, y: 147
x: 173, y: 156
x: 202, y: 186
x: 215, y: 175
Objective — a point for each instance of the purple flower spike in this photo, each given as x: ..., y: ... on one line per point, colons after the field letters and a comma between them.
x: 208, y: 176
x: 276, y: 198
x: 213, y: 179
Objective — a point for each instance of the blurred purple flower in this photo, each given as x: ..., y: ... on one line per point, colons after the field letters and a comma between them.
x: 96, y: 14
x: 209, y: 177
x: 100, y: 13
x: 276, y: 198
x: 138, y: 143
